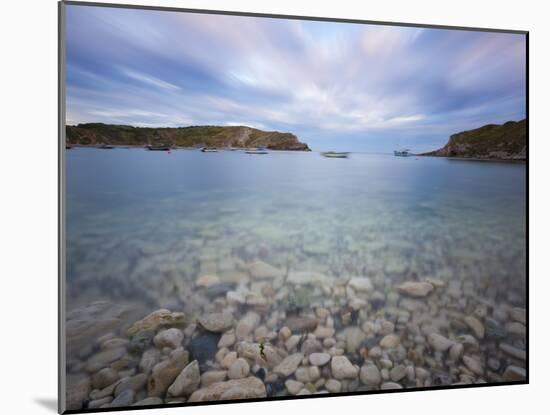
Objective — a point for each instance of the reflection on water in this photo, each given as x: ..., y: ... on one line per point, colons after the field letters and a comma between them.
x: 303, y: 255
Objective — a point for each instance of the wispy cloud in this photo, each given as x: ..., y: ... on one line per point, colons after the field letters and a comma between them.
x: 149, y: 80
x: 333, y: 84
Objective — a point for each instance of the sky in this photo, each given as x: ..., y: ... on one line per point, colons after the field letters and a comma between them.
x: 337, y: 86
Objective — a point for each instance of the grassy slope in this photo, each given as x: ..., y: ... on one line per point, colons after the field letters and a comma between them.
x: 196, y: 136
x: 506, y: 141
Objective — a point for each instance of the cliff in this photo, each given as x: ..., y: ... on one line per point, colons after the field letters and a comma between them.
x: 492, y: 142
x: 195, y: 136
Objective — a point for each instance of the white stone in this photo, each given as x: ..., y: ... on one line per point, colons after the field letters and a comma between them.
x: 169, y: 338
x: 342, y: 368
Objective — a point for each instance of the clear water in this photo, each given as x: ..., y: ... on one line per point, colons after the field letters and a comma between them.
x: 131, y: 211
x: 143, y: 226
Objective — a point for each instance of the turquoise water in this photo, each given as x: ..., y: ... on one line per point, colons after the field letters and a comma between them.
x: 135, y: 214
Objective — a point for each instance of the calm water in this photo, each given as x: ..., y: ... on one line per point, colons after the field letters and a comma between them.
x: 135, y: 214
x: 142, y: 227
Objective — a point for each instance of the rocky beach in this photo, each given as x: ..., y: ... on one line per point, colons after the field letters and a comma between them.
x: 222, y: 293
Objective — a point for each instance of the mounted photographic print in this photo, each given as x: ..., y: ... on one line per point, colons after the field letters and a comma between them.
x: 263, y: 207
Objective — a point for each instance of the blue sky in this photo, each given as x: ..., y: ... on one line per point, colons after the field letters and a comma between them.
x: 336, y: 86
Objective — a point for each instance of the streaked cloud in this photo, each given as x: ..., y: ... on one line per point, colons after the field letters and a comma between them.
x: 335, y: 85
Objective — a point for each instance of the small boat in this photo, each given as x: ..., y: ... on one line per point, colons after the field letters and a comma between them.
x: 231, y: 149
x: 402, y: 153
x: 209, y: 150
x: 158, y: 148
x: 258, y: 150
x: 68, y: 147
x: 336, y: 154
x: 106, y: 147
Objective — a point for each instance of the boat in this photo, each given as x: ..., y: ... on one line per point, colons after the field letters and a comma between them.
x: 106, y: 147
x: 336, y: 154
x: 402, y: 153
x: 209, y: 150
x: 258, y: 150
x: 68, y: 147
x: 157, y: 148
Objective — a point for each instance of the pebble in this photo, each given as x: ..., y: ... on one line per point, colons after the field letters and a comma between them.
x: 216, y: 322
x: 370, y: 375
x: 263, y: 270
x: 228, y: 339
x: 301, y: 324
x: 228, y: 360
x: 149, y: 402
x: 168, y: 338
x: 439, y: 342
x: 289, y: 365
x: 236, y: 297
x: 156, y: 319
x: 104, y: 358
x: 165, y: 372
x: 149, y: 359
x: 203, y: 348
x: 285, y: 333
x: 361, y: 284
x: 78, y: 389
x: 324, y: 332
x: 207, y: 280
x: 518, y: 314
x: 476, y: 326
x: 98, y: 403
x: 319, y: 359
x: 250, y: 387
x: 333, y: 386
x: 513, y: 351
x: 308, y: 374
x: 220, y: 289
x: 187, y: 381
x: 415, y: 289
x: 342, y: 368
x: 126, y: 398
x: 246, y: 325
x: 515, y: 328
x: 514, y: 374
x: 239, y: 369
x: 456, y: 351
x: 134, y: 383
x: 473, y: 364
x: 307, y: 277
x: 105, y: 377
x: 293, y: 386
x: 354, y: 338
x: 398, y: 373
x: 213, y: 376
x: 390, y: 385
x: 389, y: 341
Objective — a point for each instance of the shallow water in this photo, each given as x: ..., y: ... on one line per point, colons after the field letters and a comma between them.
x: 143, y: 226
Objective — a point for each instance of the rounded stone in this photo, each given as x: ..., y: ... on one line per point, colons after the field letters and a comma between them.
x: 239, y: 369
x: 319, y: 359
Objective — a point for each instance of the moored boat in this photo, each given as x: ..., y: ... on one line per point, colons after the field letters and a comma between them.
x: 402, y: 153
x: 209, y: 150
x: 336, y: 154
x: 258, y: 150
x: 158, y: 148
x: 106, y: 147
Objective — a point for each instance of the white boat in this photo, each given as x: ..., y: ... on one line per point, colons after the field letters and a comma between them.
x: 209, y: 150
x: 335, y: 154
x: 402, y: 153
x: 259, y: 150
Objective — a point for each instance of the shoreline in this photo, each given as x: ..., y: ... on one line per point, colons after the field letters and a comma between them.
x: 130, y: 146
x: 519, y: 161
